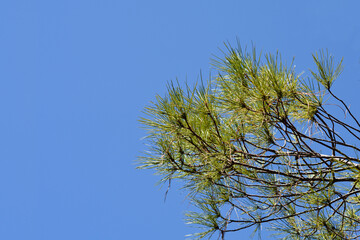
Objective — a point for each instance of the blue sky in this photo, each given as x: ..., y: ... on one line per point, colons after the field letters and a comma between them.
x: 75, y: 76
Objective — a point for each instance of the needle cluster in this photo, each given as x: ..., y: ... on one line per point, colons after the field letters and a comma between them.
x: 258, y: 145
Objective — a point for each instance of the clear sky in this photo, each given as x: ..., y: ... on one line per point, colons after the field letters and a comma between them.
x: 75, y: 75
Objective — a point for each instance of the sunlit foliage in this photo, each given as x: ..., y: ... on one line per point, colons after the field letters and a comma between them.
x: 258, y: 144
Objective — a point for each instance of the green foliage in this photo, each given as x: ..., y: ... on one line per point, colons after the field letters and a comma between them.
x: 256, y: 145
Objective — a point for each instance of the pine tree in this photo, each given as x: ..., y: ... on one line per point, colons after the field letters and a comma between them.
x: 257, y: 144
